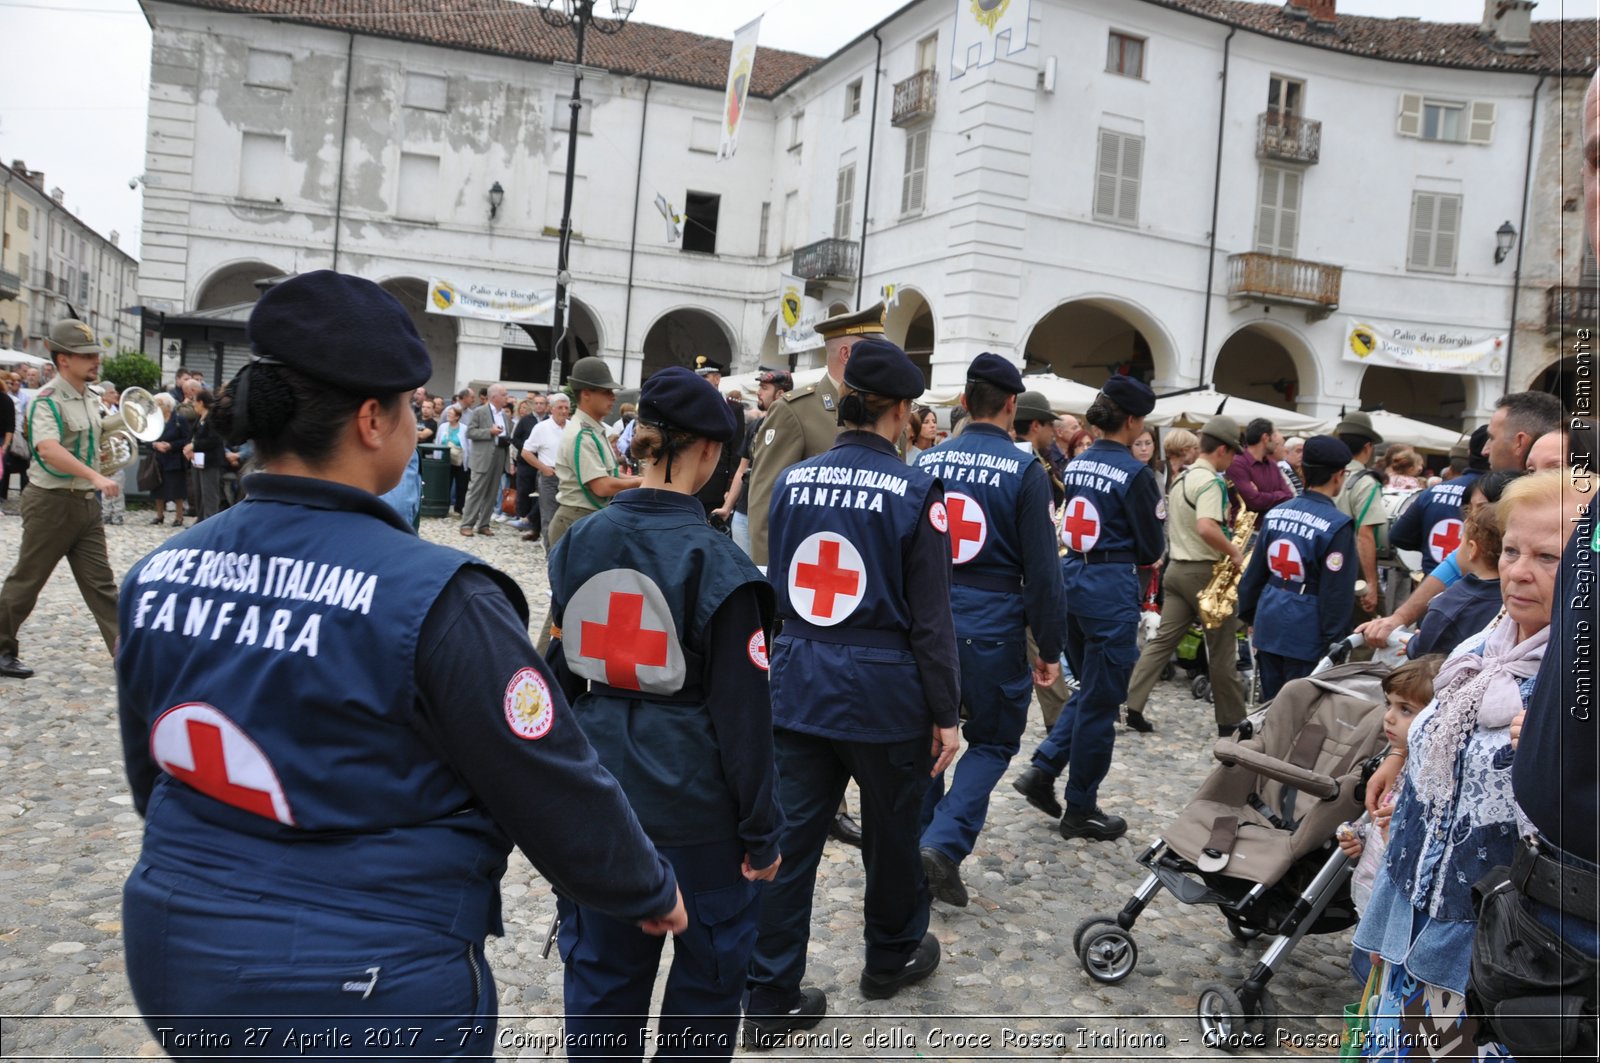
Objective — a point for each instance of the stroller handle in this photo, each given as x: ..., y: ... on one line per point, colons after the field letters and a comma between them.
x: 1339, y: 652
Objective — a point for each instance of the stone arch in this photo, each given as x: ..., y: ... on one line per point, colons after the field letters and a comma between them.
x: 529, y: 360
x: 1267, y: 361
x: 1437, y: 398
x: 910, y: 323
x: 678, y: 335
x: 1569, y: 379
x: 1088, y: 337
x: 439, y: 333
x: 233, y: 283
x: 771, y: 355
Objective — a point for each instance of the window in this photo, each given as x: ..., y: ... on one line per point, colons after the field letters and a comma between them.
x: 22, y: 267
x: 268, y: 70
x: 83, y: 287
x: 705, y: 135
x: 562, y: 120
x: 22, y: 217
x: 1278, y: 211
x: 1435, y: 231
x: 1450, y: 121
x: 1284, y: 95
x: 261, y: 167
x: 797, y: 129
x: 418, y: 198
x: 1125, y: 55
x: 791, y: 223
x: 852, y: 98
x: 928, y: 53
x: 1116, y: 188
x: 700, y: 211
x: 427, y: 92
x: 914, y: 186
x: 766, y: 225
x: 844, y: 202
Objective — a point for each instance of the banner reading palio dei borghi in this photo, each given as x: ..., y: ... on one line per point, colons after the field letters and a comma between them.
x: 1428, y: 348
x: 491, y: 302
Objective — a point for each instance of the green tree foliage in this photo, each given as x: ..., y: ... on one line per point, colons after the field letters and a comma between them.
x: 130, y: 369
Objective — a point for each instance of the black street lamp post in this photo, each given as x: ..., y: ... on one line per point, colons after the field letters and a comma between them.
x: 579, y: 14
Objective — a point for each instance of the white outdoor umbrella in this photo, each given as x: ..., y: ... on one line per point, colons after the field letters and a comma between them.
x: 1192, y: 409
x: 21, y: 358
x: 1397, y: 429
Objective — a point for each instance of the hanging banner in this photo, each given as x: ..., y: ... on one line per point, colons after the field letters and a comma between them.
x: 741, y: 62
x: 979, y: 26
x: 797, y: 317
x: 491, y: 302
x: 1425, y: 348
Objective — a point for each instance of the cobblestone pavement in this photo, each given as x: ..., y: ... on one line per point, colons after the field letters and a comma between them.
x: 68, y: 837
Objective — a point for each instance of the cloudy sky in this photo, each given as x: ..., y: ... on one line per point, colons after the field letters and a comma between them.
x: 74, y: 81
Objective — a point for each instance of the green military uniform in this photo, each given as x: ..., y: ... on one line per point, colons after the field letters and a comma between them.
x: 60, y: 510
x: 584, y: 454
x: 1362, y: 500
x: 801, y: 426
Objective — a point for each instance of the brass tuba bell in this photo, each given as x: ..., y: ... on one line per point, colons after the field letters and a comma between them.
x: 139, y: 420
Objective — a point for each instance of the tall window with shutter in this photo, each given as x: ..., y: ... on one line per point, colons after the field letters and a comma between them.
x: 1278, y: 211
x: 1449, y: 121
x: 914, y: 188
x: 1435, y: 232
x: 1116, y: 188
x: 844, y: 203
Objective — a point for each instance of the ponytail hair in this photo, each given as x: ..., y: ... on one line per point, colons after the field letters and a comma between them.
x: 862, y: 409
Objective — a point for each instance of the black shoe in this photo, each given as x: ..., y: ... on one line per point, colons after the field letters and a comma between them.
x: 1137, y: 722
x: 1040, y: 790
x: 844, y: 829
x: 159, y: 520
x: 944, y: 877
x: 10, y: 666
x: 923, y: 962
x: 769, y: 1030
x: 1094, y: 825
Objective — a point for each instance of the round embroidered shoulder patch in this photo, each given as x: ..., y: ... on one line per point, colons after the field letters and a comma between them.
x: 939, y: 517
x: 1335, y: 561
x: 758, y: 650
x: 1161, y: 509
x: 530, y: 710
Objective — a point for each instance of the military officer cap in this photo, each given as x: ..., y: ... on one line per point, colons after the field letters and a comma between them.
x: 71, y: 336
x: 1132, y: 395
x: 1326, y: 452
x: 1358, y: 424
x: 868, y: 322
x: 592, y: 373
x: 705, y: 366
x: 997, y: 371
x: 778, y: 378
x: 341, y: 330
x: 1033, y: 406
x: 1226, y: 430
x: 676, y: 398
x: 878, y: 367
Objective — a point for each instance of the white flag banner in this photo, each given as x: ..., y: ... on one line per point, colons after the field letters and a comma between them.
x: 890, y: 294
x: 797, y: 317
x: 672, y: 218
x: 491, y: 302
x: 979, y: 26
x: 1427, y: 349
x: 741, y: 62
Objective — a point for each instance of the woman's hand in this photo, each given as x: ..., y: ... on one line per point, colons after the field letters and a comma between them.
x: 1516, y: 729
x: 1381, y: 781
x: 946, y: 740
x: 766, y: 874
x: 188, y: 451
x: 674, y: 922
x: 162, y: 447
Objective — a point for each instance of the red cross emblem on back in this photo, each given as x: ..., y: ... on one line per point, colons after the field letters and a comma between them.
x: 969, y: 527
x: 201, y: 747
x: 1284, y: 560
x: 827, y: 579
x: 1081, y: 528
x: 623, y: 642
x: 1444, y: 538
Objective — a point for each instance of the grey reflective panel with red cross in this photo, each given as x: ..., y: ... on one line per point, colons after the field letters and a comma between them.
x: 618, y: 630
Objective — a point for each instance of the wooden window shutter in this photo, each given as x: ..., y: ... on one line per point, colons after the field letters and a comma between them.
x: 1128, y: 184
x: 920, y: 185
x: 1446, y: 232
x: 1289, y: 214
x: 1423, y: 208
x: 1480, y: 125
x: 1267, y: 211
x: 1409, y: 123
x: 1105, y: 184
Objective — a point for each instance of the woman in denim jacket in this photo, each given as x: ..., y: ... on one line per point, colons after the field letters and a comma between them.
x: 1456, y: 819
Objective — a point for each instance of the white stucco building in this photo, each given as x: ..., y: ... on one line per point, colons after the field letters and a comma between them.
x: 1198, y: 191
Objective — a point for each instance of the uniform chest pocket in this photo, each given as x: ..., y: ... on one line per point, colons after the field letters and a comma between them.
x: 74, y: 415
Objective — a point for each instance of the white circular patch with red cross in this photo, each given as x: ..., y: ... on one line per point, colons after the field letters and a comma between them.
x: 530, y: 710
x: 1283, y: 558
x: 1443, y: 538
x: 758, y: 650
x: 1080, y: 525
x: 827, y: 579
x: 200, y: 746
x: 969, y: 527
x: 939, y: 517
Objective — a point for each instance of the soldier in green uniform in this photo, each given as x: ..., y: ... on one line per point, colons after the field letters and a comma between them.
x: 60, y: 510
x: 1362, y: 501
x: 586, y: 467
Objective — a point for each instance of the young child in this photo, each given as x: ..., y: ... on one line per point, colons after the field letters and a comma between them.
x: 1408, y: 690
x: 1470, y: 604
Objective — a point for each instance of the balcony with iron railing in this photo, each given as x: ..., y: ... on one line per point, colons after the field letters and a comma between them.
x: 914, y: 98
x: 1257, y: 277
x: 831, y: 259
x: 1288, y: 137
x: 10, y: 285
x: 1568, y: 308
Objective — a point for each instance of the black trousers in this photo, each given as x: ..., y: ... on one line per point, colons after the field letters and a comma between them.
x: 528, y: 494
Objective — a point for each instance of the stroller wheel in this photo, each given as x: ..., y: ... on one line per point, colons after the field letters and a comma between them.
x: 1201, y: 688
x: 1109, y: 954
x: 1084, y: 928
x: 1242, y: 932
x: 1168, y: 670
x: 1221, y: 1017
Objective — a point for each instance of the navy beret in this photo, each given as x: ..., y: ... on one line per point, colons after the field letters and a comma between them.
x: 341, y: 330
x: 1132, y: 396
x: 1326, y: 452
x: 878, y: 367
x: 676, y: 397
x: 997, y: 371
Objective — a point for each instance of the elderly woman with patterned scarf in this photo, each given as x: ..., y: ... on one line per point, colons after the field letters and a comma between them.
x: 1456, y: 819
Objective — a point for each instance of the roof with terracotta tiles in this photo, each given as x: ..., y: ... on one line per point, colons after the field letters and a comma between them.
x: 500, y: 27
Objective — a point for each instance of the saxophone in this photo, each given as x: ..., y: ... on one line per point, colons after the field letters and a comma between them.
x: 1220, y: 599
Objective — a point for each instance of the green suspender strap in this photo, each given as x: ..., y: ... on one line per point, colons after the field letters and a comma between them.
x: 61, y: 433
x: 1377, y: 490
x: 1221, y: 483
x: 577, y: 465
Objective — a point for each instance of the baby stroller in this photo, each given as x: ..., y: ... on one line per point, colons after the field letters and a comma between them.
x: 1257, y: 841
